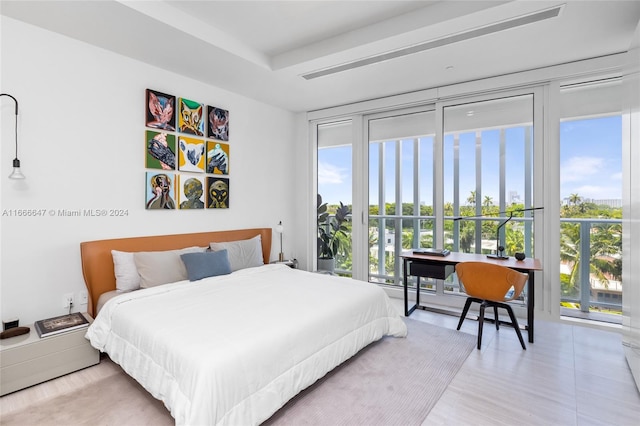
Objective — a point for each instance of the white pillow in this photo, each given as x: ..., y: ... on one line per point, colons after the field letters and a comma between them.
x: 242, y: 253
x: 127, y: 277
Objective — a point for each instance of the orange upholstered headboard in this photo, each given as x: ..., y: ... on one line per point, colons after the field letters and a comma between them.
x: 97, y: 261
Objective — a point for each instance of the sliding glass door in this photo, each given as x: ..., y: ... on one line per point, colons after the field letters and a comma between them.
x: 488, y: 178
x: 401, y: 159
x: 488, y: 159
x: 449, y: 186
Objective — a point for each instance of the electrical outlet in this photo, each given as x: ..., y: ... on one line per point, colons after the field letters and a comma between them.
x: 67, y: 299
x: 83, y: 297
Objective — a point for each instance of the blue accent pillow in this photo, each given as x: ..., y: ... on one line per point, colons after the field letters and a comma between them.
x: 206, y: 264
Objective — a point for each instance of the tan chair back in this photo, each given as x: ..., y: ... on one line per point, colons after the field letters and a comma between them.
x: 490, y: 282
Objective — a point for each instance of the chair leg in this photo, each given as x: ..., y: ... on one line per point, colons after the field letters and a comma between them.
x: 495, y: 314
x: 467, y: 304
x: 514, y: 321
x: 480, y: 322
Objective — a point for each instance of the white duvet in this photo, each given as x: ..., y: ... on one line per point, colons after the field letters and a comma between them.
x: 233, y: 349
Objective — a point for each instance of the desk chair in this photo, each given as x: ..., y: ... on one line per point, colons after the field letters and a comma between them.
x: 488, y: 284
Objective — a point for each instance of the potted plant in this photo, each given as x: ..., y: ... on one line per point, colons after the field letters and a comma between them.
x: 330, y: 229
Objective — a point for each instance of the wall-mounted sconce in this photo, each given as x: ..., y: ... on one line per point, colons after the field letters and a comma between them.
x: 16, y: 174
x: 280, y: 230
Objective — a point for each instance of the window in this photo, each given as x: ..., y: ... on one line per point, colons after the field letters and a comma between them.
x: 591, y: 199
x: 335, y: 183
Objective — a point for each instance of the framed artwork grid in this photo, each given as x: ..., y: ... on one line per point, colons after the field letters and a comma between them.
x: 185, y: 171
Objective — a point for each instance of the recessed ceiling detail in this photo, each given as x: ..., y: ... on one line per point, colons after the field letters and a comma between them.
x: 245, y: 59
x: 432, y: 44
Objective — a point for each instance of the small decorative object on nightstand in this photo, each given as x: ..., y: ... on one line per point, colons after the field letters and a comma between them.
x: 10, y: 323
x: 14, y: 331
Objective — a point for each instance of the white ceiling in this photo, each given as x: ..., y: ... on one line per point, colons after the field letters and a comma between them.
x: 261, y: 49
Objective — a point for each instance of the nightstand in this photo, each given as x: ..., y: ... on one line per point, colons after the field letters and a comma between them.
x: 28, y: 359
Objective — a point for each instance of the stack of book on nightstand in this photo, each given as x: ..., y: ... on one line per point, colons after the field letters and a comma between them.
x: 61, y: 324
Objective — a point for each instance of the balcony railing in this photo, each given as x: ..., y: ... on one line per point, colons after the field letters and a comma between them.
x: 596, y: 286
x: 596, y: 265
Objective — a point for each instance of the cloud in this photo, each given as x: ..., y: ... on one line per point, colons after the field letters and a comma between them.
x: 330, y: 174
x: 577, y: 169
x: 598, y: 192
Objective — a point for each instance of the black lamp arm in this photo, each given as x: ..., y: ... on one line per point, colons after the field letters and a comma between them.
x: 16, y: 101
x: 455, y: 219
x: 499, y: 248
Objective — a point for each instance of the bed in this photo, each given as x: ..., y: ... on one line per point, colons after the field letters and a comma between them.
x: 230, y: 348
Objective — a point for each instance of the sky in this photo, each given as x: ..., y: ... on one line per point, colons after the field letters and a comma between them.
x: 590, y: 164
x: 591, y: 158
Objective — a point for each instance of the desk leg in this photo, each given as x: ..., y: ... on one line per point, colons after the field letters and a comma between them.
x: 407, y: 310
x: 530, y: 305
x: 406, y: 293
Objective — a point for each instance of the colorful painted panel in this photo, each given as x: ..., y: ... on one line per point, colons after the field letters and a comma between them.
x: 191, y: 193
x: 218, y: 123
x: 217, y: 158
x: 191, y: 117
x: 217, y: 193
x: 160, y: 110
x: 191, y: 156
x: 160, y: 190
x: 160, y: 148
x: 177, y: 156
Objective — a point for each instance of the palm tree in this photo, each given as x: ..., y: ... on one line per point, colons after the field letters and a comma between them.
x: 407, y: 239
x: 575, y: 205
x: 344, y: 259
x: 467, y: 235
x: 605, y: 241
x: 373, y: 241
x: 570, y: 254
x: 514, y: 240
x: 471, y: 199
x: 426, y: 240
x: 448, y: 208
x: 488, y: 201
x: 575, y: 199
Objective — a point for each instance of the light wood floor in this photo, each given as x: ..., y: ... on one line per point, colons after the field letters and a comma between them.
x: 571, y: 375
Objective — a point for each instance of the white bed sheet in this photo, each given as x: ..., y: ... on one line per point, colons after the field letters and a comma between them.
x: 234, y: 349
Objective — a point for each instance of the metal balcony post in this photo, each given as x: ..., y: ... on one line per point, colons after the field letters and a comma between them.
x: 585, y: 265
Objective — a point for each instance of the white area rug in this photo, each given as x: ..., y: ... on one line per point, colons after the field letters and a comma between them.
x: 395, y: 381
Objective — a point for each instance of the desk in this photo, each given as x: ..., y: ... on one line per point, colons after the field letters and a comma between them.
x: 420, y: 265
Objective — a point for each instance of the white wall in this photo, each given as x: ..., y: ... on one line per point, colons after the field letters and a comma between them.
x: 81, y: 144
x: 305, y: 199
